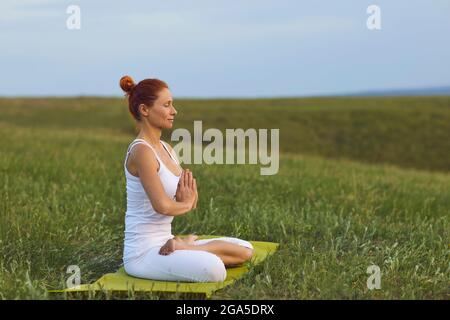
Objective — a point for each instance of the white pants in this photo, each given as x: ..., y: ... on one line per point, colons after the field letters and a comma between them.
x: 182, y: 265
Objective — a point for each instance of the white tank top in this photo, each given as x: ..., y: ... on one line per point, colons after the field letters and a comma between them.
x: 144, y: 227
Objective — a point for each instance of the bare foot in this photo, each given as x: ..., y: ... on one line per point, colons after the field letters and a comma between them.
x: 176, y: 243
x: 190, y: 239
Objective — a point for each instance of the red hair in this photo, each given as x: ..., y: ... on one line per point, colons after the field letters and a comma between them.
x: 145, y: 92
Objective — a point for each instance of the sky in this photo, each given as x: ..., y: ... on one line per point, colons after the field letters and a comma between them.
x: 205, y: 49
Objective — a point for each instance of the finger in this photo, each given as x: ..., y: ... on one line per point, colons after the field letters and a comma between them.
x: 196, y: 194
x: 182, y: 179
x: 191, y: 181
x: 186, y: 178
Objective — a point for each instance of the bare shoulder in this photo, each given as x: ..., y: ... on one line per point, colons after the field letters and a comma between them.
x: 140, y: 156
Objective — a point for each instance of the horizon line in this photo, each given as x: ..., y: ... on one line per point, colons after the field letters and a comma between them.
x: 392, y: 92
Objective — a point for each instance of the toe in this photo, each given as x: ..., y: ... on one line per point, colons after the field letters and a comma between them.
x: 248, y: 254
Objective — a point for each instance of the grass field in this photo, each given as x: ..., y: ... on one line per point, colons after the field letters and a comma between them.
x: 411, y: 132
x: 62, y: 194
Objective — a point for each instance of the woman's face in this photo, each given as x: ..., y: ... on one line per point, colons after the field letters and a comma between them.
x: 162, y: 113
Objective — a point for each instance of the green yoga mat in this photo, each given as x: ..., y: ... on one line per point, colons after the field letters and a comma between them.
x: 121, y: 282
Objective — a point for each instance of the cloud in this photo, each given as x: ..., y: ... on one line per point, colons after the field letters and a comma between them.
x: 257, y: 47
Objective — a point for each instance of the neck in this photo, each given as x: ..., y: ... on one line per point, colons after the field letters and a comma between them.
x: 150, y: 134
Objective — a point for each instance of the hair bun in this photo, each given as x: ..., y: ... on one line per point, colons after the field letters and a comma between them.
x: 127, y: 84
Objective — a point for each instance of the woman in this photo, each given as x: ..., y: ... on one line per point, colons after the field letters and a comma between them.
x: 158, y: 189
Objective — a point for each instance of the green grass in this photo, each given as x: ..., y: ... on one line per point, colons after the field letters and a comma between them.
x: 411, y: 132
x: 62, y: 202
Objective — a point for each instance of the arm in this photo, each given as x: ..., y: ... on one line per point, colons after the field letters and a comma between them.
x: 147, y: 167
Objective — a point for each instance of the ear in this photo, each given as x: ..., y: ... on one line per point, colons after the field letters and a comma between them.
x: 143, y: 109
